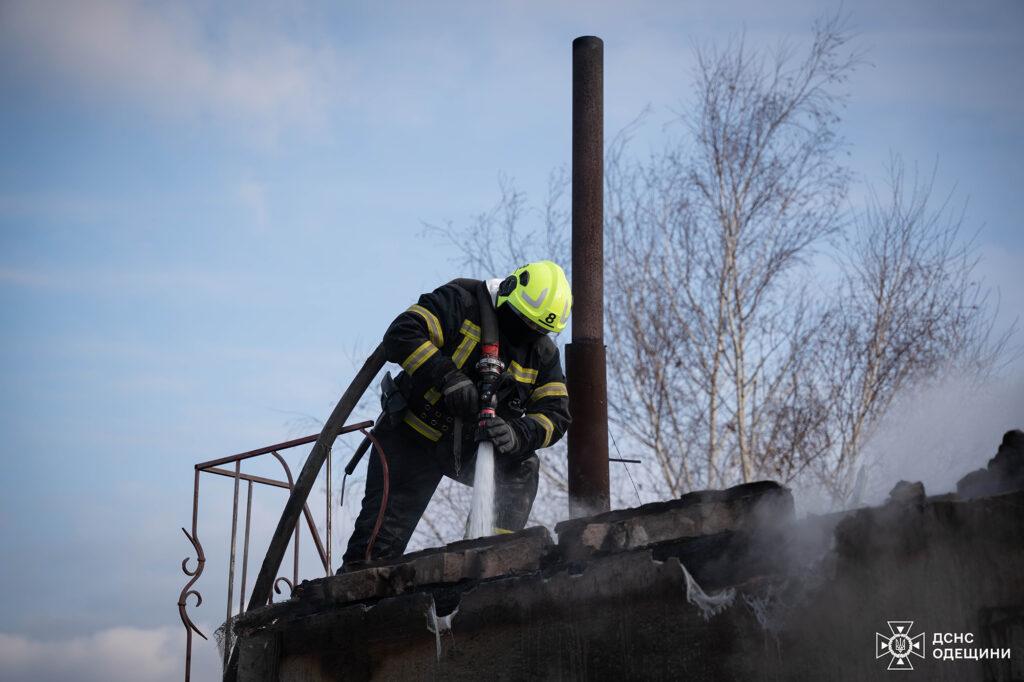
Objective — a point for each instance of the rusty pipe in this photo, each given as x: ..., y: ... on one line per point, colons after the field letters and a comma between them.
x: 586, y: 376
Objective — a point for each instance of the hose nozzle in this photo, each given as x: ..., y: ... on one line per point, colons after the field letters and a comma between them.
x: 489, y: 368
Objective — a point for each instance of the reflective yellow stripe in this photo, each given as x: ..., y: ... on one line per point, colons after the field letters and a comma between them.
x: 433, y: 324
x: 549, y: 428
x: 464, y: 350
x: 418, y: 357
x: 421, y: 427
x: 522, y: 374
x: 471, y: 330
x: 471, y: 335
x: 549, y: 390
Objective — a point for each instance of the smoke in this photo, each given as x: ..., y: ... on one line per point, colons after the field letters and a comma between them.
x: 935, y: 433
x: 940, y: 432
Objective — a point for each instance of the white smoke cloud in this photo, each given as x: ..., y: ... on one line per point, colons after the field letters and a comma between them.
x: 935, y: 434
x: 941, y: 432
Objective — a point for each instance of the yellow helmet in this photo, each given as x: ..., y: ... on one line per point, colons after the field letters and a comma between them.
x: 539, y: 293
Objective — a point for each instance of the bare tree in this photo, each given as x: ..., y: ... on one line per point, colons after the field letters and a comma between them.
x: 499, y: 239
x: 709, y: 321
x: 731, y: 355
x: 908, y: 309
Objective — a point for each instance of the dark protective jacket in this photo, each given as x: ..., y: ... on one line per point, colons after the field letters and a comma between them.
x: 440, y: 333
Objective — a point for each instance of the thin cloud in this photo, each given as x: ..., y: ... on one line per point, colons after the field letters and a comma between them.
x: 121, y: 654
x: 252, y: 197
x: 163, y: 58
x: 176, y: 282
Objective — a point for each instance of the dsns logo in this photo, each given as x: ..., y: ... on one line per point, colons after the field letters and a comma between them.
x: 899, y: 645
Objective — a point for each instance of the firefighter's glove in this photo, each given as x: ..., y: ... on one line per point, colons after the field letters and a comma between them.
x: 460, y: 396
x: 499, y: 432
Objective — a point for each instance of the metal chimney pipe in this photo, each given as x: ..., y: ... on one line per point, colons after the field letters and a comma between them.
x: 585, y: 356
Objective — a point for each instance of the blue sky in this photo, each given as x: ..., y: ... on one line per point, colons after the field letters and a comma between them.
x: 207, y: 210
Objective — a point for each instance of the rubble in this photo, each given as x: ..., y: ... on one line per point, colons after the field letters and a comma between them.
x: 1004, y: 473
x: 715, y: 585
x: 500, y: 555
x: 905, y: 492
x: 707, y: 512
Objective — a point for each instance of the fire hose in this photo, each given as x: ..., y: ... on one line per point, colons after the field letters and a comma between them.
x: 384, y: 496
x: 364, y: 445
x: 489, y: 367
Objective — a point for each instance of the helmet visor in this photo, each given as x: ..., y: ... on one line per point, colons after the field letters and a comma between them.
x: 528, y: 323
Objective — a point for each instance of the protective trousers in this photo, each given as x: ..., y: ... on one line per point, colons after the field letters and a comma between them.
x: 414, y: 474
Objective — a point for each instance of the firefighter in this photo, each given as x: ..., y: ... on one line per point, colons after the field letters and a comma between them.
x: 428, y: 427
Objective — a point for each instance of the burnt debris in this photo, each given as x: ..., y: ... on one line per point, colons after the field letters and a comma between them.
x: 1004, y: 473
x: 716, y: 585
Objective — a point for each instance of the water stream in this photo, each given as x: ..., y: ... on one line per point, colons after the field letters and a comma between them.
x: 481, y: 513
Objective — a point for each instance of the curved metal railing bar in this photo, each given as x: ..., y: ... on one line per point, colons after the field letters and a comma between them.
x: 305, y: 510
x: 309, y: 518
x: 212, y: 466
x: 187, y: 591
x: 277, y: 589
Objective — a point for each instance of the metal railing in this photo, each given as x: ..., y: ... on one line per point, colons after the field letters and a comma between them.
x: 323, y: 550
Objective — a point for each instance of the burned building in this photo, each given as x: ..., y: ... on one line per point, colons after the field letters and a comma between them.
x: 717, y: 585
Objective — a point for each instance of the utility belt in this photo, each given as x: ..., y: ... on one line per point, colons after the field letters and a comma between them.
x: 425, y: 423
x: 425, y: 417
x: 393, y: 400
